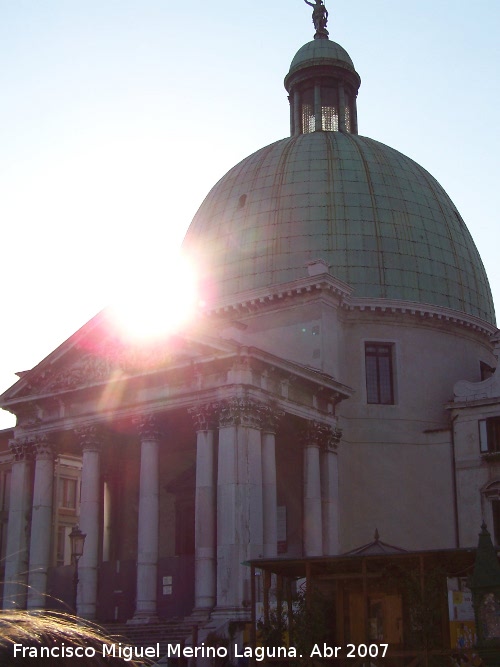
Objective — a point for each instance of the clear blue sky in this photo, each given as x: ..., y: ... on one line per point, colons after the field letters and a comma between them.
x: 117, y: 117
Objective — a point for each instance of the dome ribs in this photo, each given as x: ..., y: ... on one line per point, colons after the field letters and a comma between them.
x: 376, y: 218
x: 377, y: 235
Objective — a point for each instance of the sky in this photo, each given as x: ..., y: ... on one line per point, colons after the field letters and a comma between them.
x: 118, y: 116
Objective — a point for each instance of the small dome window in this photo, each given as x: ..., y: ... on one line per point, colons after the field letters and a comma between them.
x: 242, y: 201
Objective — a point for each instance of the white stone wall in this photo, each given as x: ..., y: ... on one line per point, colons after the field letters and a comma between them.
x: 474, y: 471
x: 395, y: 461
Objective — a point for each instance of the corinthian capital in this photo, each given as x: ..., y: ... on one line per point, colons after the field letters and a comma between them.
x: 241, y: 412
x: 90, y: 437
x: 204, y: 416
x: 21, y: 448
x: 148, y: 428
x: 317, y: 434
x: 334, y: 439
x: 271, y: 417
x: 43, y: 448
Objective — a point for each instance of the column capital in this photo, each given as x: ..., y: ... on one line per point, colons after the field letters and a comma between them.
x: 90, y: 437
x: 241, y: 412
x: 205, y: 416
x: 21, y: 448
x: 43, y: 448
x: 334, y: 438
x: 147, y: 427
x: 271, y: 417
x: 323, y: 436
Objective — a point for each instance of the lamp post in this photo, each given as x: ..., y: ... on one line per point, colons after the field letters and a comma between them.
x: 485, y: 587
x: 77, y: 539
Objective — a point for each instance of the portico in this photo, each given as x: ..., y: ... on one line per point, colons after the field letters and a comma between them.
x: 223, y: 411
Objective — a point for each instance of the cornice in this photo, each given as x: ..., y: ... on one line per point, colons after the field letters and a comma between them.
x: 424, y: 310
x: 324, y: 284
x: 251, y: 301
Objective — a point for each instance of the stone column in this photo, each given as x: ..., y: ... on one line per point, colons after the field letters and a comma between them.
x: 354, y: 119
x: 269, y: 486
x: 313, y: 522
x: 41, y: 522
x: 318, y: 114
x: 342, y: 106
x: 239, y: 502
x: 297, y: 113
x: 16, y: 558
x: 330, y: 492
x: 90, y: 440
x: 148, y: 521
x: 205, y: 507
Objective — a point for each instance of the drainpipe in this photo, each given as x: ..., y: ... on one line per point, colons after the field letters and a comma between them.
x: 454, y: 479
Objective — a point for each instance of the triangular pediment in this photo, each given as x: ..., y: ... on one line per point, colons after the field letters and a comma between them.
x: 99, y: 353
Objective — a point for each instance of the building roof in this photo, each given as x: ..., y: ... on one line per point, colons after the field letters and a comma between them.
x: 381, y: 222
x: 317, y: 52
x: 455, y: 562
x: 375, y: 547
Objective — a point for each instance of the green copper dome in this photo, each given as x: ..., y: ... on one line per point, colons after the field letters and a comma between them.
x: 382, y: 223
x: 320, y: 51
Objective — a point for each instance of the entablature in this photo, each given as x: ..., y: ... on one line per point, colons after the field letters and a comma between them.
x: 178, y: 383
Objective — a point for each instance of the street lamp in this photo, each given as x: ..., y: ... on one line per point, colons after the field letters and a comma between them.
x: 77, y: 539
x: 485, y: 587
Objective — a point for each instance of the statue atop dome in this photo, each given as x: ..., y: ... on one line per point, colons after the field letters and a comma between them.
x: 320, y: 18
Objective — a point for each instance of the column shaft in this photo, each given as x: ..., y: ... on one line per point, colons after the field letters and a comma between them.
x: 239, y: 502
x: 205, y: 520
x: 16, y: 559
x: 330, y: 494
x: 313, y: 525
x: 148, y: 521
x: 90, y: 511
x: 269, y: 495
x: 41, y: 525
x: 342, y: 106
x: 318, y: 115
x: 297, y: 115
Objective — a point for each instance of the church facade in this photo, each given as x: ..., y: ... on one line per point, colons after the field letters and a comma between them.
x: 309, y: 402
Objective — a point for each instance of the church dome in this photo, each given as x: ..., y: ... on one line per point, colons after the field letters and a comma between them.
x: 381, y: 222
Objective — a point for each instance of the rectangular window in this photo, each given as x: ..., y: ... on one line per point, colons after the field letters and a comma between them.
x: 5, y: 494
x: 67, y: 493
x: 489, y: 435
x: 61, y: 546
x: 308, y: 119
x: 348, y: 118
x: 379, y: 373
x: 329, y: 119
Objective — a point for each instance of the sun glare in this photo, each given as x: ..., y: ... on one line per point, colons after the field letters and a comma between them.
x: 157, y: 301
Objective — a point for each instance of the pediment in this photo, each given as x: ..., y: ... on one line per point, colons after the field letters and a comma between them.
x: 98, y: 353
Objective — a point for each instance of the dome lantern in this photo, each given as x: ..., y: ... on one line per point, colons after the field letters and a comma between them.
x: 322, y: 84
